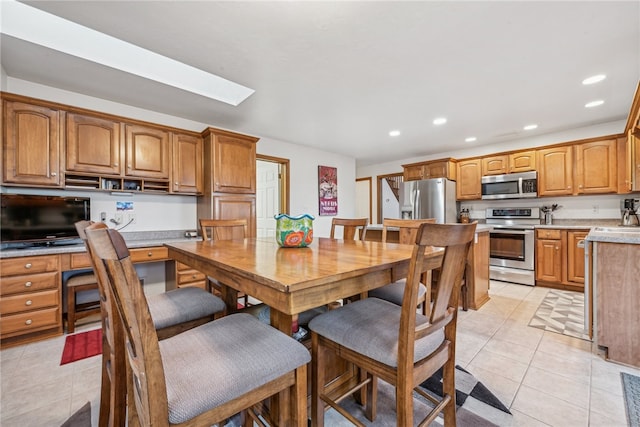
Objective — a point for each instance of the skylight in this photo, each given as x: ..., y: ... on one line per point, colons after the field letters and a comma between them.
x: 42, y: 28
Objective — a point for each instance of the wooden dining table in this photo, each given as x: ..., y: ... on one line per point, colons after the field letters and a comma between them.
x: 292, y: 280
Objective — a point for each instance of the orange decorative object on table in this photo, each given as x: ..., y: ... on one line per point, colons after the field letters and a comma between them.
x: 294, y: 232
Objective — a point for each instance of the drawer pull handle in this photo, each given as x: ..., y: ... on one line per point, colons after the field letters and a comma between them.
x: 150, y: 254
x: 28, y: 284
x: 28, y: 302
x: 193, y: 276
x: 28, y: 265
x: 28, y: 322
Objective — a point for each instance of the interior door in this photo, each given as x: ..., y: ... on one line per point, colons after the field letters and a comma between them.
x: 267, y: 197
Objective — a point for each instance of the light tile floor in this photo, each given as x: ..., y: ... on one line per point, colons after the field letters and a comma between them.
x: 546, y: 379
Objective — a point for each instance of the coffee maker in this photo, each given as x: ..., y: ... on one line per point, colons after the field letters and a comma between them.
x: 629, y: 210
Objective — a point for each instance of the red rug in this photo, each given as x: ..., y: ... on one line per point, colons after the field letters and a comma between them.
x: 82, y: 345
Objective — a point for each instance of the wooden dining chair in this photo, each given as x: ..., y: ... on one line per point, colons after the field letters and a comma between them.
x: 394, y: 292
x: 205, y: 375
x: 396, y: 343
x: 352, y: 228
x: 224, y: 229
x: 171, y: 312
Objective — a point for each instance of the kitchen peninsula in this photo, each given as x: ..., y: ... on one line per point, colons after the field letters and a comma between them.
x: 613, y: 267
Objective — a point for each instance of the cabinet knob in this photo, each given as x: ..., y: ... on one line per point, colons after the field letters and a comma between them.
x: 28, y: 284
x: 28, y: 322
x: 28, y: 302
x: 53, y: 174
x: 28, y: 265
x: 115, y: 164
x: 193, y: 276
x: 176, y: 183
x: 150, y: 254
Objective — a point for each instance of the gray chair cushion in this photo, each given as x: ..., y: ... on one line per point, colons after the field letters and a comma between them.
x: 222, y: 360
x: 395, y: 291
x: 264, y: 315
x: 182, y: 305
x: 370, y: 327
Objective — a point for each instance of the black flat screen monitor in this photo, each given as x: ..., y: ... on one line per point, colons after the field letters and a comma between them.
x: 32, y: 220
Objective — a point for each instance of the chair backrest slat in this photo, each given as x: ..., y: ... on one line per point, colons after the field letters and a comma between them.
x: 407, y: 228
x: 351, y: 228
x: 223, y: 229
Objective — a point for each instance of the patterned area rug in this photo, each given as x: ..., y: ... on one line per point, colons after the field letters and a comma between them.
x: 561, y: 312
x: 631, y: 389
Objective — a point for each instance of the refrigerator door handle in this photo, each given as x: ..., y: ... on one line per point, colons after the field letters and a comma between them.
x: 416, y: 201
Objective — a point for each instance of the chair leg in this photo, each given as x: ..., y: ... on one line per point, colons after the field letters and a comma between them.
x: 71, y: 310
x: 404, y: 404
x: 372, y: 398
x: 318, y: 381
x: 449, y: 389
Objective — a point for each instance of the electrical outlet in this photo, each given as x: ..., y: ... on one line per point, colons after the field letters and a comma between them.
x: 596, y: 208
x: 103, y: 216
x: 131, y: 218
x: 118, y: 218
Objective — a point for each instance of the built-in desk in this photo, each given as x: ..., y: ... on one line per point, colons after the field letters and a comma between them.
x: 31, y: 291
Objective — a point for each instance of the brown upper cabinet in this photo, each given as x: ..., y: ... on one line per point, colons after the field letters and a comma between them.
x: 443, y: 168
x: 555, y: 171
x: 232, y: 161
x: 93, y: 145
x: 596, y: 169
x: 31, y: 144
x: 147, y: 151
x: 187, y: 164
x: 522, y: 161
x: 469, y: 174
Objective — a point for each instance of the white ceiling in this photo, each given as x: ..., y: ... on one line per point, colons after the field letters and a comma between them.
x: 340, y: 75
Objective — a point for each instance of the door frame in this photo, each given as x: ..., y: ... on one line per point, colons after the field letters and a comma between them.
x: 370, y: 196
x: 283, y: 179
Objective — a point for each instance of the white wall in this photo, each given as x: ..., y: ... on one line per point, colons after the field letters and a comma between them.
x: 573, y: 207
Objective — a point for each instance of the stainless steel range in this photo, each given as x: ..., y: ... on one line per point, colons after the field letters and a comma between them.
x: 512, y: 244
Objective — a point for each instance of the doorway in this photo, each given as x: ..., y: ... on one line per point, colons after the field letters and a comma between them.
x: 272, y: 192
x: 363, y: 198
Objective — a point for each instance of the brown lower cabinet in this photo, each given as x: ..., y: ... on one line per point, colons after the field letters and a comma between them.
x: 560, y: 258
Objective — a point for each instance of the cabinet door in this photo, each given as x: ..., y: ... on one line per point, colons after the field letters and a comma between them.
x: 523, y: 161
x: 413, y: 173
x: 31, y: 145
x: 596, y: 167
x: 634, y: 144
x: 555, y: 167
x: 187, y: 164
x: 549, y: 260
x: 234, y: 169
x: 236, y: 206
x: 469, y: 175
x: 495, y: 165
x: 147, y: 152
x: 93, y: 145
x: 441, y: 169
x: 575, y: 256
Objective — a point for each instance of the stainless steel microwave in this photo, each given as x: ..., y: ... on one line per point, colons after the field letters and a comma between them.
x: 510, y: 186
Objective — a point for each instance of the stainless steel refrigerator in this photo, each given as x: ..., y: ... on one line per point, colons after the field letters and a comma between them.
x: 429, y: 198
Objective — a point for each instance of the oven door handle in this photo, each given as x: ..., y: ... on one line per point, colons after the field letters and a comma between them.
x: 504, y: 230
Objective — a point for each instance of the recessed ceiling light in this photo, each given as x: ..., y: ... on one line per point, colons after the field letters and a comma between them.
x: 394, y: 133
x: 42, y: 28
x: 594, y: 79
x: 594, y: 103
x: 440, y: 121
x: 530, y: 127
x: 470, y: 139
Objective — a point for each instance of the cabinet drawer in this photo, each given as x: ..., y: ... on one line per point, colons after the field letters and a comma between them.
x: 29, y: 283
x: 18, y: 324
x: 29, y: 301
x: 149, y: 254
x: 187, y: 276
x: 28, y: 265
x: 549, y: 234
x: 80, y: 260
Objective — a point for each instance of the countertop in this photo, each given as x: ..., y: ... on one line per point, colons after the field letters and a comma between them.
x: 479, y: 228
x: 136, y: 239
x: 629, y: 235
